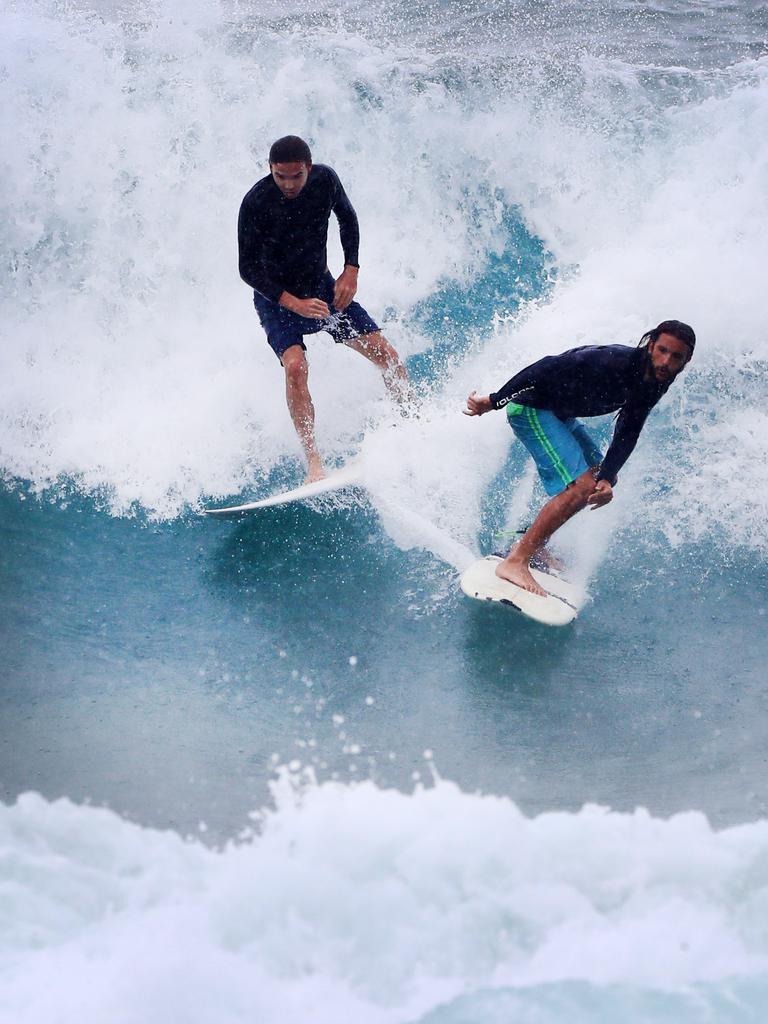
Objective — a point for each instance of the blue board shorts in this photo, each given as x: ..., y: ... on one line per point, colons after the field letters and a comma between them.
x: 561, y: 449
x: 285, y: 328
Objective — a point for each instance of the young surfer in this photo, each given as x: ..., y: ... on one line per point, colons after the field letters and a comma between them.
x: 282, y: 235
x: 542, y: 403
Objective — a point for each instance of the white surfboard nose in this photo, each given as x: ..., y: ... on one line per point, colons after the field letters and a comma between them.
x: 350, y: 475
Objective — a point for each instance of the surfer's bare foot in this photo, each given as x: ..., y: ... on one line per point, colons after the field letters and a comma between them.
x: 315, y: 471
x: 516, y: 570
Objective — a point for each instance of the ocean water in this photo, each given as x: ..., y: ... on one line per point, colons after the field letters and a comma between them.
x: 280, y: 769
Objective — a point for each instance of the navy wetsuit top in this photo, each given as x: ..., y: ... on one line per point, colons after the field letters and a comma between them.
x: 282, y: 242
x: 590, y: 381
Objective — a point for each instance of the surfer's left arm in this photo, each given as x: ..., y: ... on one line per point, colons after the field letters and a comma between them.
x: 346, y: 287
x: 602, y: 494
x: 629, y: 423
x: 349, y: 232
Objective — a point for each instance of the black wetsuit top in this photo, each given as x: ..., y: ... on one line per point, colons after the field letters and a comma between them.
x: 283, y: 241
x: 591, y: 381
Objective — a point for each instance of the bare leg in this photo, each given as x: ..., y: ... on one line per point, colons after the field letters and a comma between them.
x: 301, y: 408
x: 556, y: 512
x: 375, y: 347
x: 544, y: 559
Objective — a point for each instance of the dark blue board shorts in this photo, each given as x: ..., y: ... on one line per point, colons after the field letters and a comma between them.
x: 285, y: 328
x: 561, y: 449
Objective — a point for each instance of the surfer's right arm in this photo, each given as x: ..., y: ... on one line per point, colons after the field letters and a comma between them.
x: 522, y: 383
x: 254, y: 268
x: 250, y: 244
x: 477, y: 404
x: 313, y: 308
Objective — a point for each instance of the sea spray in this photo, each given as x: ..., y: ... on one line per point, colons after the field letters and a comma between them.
x: 137, y: 367
x: 351, y: 899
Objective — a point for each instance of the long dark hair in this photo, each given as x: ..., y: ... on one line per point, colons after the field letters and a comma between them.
x: 676, y: 328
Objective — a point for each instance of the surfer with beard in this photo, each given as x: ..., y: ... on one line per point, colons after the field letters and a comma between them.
x: 543, y: 402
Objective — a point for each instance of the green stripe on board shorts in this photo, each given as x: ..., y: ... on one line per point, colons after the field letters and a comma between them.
x: 561, y: 449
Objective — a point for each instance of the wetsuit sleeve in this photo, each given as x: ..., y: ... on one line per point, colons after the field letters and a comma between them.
x: 349, y: 228
x: 518, y: 386
x: 629, y: 423
x: 250, y: 241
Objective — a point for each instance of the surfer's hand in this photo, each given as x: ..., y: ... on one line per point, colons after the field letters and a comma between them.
x: 346, y: 286
x: 602, y: 494
x: 315, y: 309
x: 477, y: 405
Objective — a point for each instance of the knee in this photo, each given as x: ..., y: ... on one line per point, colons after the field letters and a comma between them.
x: 387, y: 357
x: 296, y: 369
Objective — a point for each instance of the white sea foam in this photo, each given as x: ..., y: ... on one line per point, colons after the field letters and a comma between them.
x: 357, y: 903
x: 133, y: 363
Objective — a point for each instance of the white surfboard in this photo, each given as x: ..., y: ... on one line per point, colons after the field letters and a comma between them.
x: 562, y: 604
x: 348, y: 476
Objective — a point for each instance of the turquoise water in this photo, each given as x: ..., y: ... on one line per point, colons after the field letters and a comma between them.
x: 280, y: 768
x: 160, y: 669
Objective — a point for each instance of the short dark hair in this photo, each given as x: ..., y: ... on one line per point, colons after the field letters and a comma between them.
x: 290, y: 150
x: 676, y: 328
